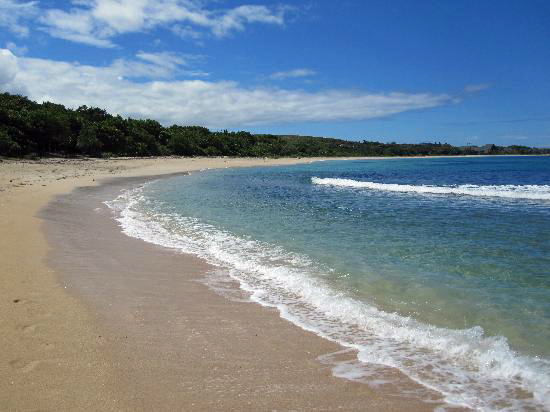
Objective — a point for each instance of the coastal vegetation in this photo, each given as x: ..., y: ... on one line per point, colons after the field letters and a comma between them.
x: 39, y: 129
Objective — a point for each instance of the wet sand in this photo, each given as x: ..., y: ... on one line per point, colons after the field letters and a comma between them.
x: 93, y: 319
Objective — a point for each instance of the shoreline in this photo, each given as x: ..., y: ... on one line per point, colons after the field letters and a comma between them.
x: 66, y: 348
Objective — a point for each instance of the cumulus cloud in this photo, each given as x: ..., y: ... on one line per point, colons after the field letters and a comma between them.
x: 292, y: 73
x: 213, y: 104
x: 96, y: 22
x: 13, y: 14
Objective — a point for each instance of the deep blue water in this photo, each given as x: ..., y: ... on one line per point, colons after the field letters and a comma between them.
x: 414, y: 261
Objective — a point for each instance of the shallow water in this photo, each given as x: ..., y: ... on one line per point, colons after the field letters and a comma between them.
x: 438, y: 267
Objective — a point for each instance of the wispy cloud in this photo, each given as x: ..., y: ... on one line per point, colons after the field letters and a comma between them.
x: 497, y: 121
x: 235, y: 19
x: 292, y: 73
x: 214, y: 104
x: 15, y: 49
x: 187, y: 32
x: 98, y: 22
x: 163, y: 65
x: 14, y: 14
x: 515, y: 137
x: 522, y: 139
x: 475, y: 88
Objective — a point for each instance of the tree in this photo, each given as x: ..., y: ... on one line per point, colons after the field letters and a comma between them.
x: 182, y: 142
x: 87, y: 141
x: 8, y: 147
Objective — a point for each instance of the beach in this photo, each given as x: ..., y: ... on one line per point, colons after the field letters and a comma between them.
x: 200, y: 211
x: 93, y: 319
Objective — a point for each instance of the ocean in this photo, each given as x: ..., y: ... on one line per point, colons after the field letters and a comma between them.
x: 439, y: 267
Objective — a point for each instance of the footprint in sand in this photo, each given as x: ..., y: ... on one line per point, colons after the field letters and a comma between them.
x: 28, y: 328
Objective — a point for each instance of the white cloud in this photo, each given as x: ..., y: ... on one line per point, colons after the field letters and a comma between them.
x: 236, y: 18
x: 77, y: 26
x: 187, y: 32
x: 163, y: 59
x: 292, y: 73
x: 8, y: 67
x: 96, y: 22
x: 157, y: 65
x: 474, y: 88
x: 213, y: 104
x: 13, y: 12
x: 120, y: 15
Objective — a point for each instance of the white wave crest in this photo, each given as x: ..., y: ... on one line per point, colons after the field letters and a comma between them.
x: 532, y: 192
x: 467, y: 367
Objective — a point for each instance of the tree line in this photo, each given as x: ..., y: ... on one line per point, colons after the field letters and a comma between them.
x: 28, y: 128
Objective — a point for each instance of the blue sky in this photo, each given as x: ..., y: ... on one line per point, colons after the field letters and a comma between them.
x: 407, y: 71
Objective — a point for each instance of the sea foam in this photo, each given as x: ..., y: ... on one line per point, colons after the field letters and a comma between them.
x: 532, y: 192
x: 465, y: 366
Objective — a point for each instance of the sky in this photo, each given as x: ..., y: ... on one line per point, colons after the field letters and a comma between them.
x: 462, y: 72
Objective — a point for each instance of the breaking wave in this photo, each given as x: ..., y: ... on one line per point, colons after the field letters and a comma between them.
x: 465, y: 366
x: 532, y: 192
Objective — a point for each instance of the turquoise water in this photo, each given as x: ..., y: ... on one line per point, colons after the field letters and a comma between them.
x: 439, y: 267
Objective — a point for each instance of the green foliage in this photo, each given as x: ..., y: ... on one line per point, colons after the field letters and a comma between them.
x: 49, y: 126
x: 184, y: 141
x: 8, y: 147
x: 87, y: 141
x: 27, y: 127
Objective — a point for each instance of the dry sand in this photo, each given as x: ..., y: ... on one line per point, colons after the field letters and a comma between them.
x: 93, y: 320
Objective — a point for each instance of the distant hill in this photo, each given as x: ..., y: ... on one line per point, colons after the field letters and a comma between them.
x: 30, y: 128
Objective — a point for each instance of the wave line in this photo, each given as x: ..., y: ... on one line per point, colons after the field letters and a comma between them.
x: 532, y: 192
